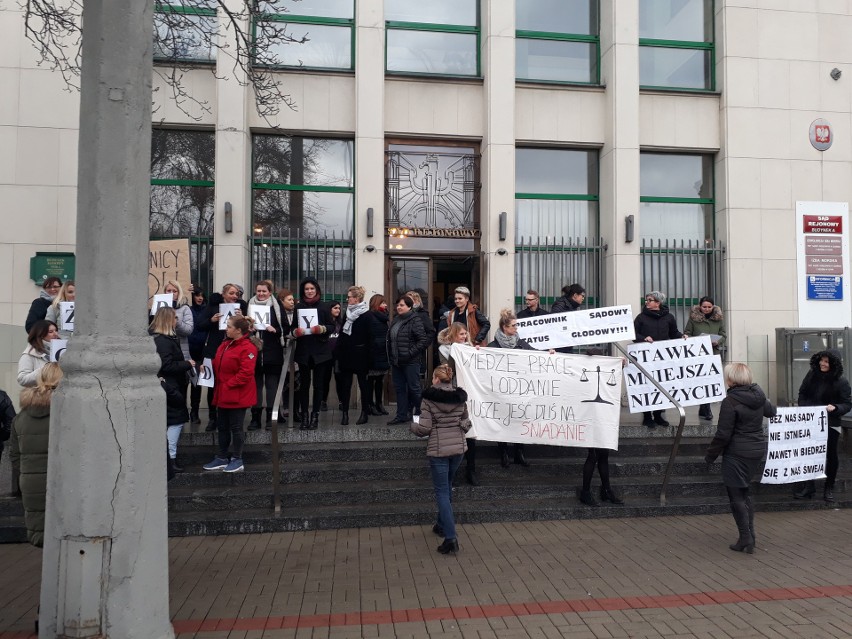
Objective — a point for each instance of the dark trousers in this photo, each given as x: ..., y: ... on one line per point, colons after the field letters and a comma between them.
x: 344, y: 388
x: 596, y: 457
x: 377, y: 386
x: 229, y: 423
x: 319, y: 372
x: 406, y: 383
x: 831, y: 460
x: 267, y: 380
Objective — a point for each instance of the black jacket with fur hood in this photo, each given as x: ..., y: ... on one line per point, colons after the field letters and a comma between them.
x: 444, y: 420
x: 821, y: 389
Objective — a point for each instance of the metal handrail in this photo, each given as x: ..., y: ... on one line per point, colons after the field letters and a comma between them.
x: 681, y: 422
x: 289, y: 352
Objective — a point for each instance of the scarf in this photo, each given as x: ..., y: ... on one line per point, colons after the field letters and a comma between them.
x: 505, y: 341
x: 276, y: 308
x: 353, y: 312
x: 311, y: 301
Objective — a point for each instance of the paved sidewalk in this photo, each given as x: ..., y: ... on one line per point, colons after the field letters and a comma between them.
x: 655, y: 577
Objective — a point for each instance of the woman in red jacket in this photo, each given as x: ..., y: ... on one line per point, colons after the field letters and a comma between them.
x: 234, y: 392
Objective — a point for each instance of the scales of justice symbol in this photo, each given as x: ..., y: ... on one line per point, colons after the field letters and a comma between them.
x: 610, y: 381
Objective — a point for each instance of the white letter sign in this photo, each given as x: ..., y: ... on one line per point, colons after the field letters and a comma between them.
x: 66, y: 316
x: 798, y: 438
x: 595, y: 326
x: 308, y: 318
x: 205, y: 375
x: 260, y: 314
x: 227, y: 311
x: 57, y: 349
x: 161, y: 300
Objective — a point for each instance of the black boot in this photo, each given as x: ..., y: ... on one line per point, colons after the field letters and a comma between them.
x: 648, y: 420
x: 470, y: 474
x: 519, y: 456
x: 211, y: 425
x: 807, y: 491
x: 504, y: 454
x: 372, y: 410
x: 750, y: 508
x: 380, y: 410
x: 586, y: 498
x: 193, y: 416
x: 364, y: 417
x: 659, y: 418
x: 745, y: 543
x: 344, y: 418
x: 268, y: 423
x: 449, y: 545
x: 175, y: 467
x: 254, y: 424
x: 704, y: 412
x: 306, y: 422
x: 828, y: 491
x: 314, y: 421
x: 608, y: 495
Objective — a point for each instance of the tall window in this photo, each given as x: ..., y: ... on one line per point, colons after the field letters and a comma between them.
x: 556, y: 221
x: 676, y: 196
x: 557, y: 41
x: 182, y: 192
x: 676, y: 49
x: 185, y: 31
x: 439, y: 37
x: 302, y: 210
x: 312, y: 34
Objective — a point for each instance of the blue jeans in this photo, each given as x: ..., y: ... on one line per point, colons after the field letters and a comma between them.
x: 443, y: 470
x: 406, y: 383
x: 173, y: 435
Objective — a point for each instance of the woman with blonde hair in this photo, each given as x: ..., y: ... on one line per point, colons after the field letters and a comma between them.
x: 740, y: 438
x: 30, y: 445
x: 444, y: 420
x: 354, y: 353
x: 68, y: 293
x: 183, y: 310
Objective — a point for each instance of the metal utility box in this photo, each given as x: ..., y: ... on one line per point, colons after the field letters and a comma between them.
x: 794, y: 348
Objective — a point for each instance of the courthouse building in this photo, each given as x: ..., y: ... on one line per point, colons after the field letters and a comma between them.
x: 628, y: 145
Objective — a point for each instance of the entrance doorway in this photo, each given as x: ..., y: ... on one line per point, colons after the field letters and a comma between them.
x: 435, y: 279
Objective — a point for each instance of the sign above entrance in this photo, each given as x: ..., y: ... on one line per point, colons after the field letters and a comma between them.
x: 464, y: 233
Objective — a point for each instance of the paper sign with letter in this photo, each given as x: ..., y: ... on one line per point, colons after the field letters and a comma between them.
x: 686, y: 368
x: 798, y: 440
x: 205, y: 374
x: 66, y: 316
x: 57, y: 349
x: 227, y: 311
x: 161, y: 300
x: 528, y: 397
x: 308, y: 318
x: 260, y: 314
x: 595, y: 326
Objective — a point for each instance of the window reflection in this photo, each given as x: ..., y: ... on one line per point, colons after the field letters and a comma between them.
x: 458, y: 12
x: 557, y: 16
x: 431, y: 52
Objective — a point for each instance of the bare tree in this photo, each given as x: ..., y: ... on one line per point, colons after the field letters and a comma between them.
x: 186, y: 34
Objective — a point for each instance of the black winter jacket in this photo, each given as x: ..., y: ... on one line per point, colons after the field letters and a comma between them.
x: 310, y: 347
x: 740, y: 428
x: 355, y: 352
x: 198, y: 337
x: 528, y: 313
x: 821, y: 389
x: 38, y: 310
x: 173, y: 370
x: 379, y: 329
x: 563, y: 304
x: 270, y: 358
x: 659, y: 325
x: 215, y: 335
x: 7, y: 414
x: 406, y: 339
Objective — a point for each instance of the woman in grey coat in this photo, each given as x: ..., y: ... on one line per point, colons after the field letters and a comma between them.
x: 444, y: 420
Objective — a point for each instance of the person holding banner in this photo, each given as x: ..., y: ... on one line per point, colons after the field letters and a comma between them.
x: 37, y: 352
x: 183, y: 312
x: 573, y: 296
x: 68, y: 293
x: 825, y: 385
x: 655, y: 323
x: 533, y: 307
x: 444, y: 420
x: 742, y: 442
x: 312, y: 326
x: 211, y: 321
x: 38, y: 309
x: 468, y: 314
x: 706, y: 319
x: 174, y: 367
x: 234, y: 392
x: 354, y: 353
x: 406, y: 342
x: 270, y: 360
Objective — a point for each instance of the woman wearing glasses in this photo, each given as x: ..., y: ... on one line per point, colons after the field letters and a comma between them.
x: 655, y: 323
x: 38, y: 309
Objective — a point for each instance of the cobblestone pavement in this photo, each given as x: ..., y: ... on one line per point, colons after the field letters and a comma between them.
x: 655, y: 577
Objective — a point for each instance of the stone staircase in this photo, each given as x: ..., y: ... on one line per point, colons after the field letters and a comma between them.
x: 377, y: 475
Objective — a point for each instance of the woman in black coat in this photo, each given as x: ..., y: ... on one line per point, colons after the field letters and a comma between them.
x: 740, y: 438
x: 354, y: 353
x: 825, y: 385
x: 172, y: 374
x: 196, y: 342
x: 313, y: 352
x: 406, y: 342
x: 209, y: 321
x: 270, y: 357
x: 379, y: 362
x: 655, y: 324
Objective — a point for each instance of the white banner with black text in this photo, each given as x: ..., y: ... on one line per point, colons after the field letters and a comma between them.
x: 575, y: 328
x: 798, y: 439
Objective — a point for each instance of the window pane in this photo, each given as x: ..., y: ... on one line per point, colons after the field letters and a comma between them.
x: 676, y: 68
x: 557, y: 171
x: 555, y: 220
x: 311, y: 214
x: 179, y: 36
x: 458, y: 12
x: 676, y: 20
x: 191, y: 4
x: 315, y: 8
x: 182, y: 155
x: 431, y: 52
x: 296, y: 160
x: 557, y: 16
x: 555, y: 61
x: 675, y: 175
x: 327, y: 47
x: 181, y: 211
x: 675, y: 221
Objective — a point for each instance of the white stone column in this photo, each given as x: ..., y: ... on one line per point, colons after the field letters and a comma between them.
x: 619, y: 158
x: 105, y: 561
x: 498, y: 157
x: 231, y: 250
x: 370, y: 145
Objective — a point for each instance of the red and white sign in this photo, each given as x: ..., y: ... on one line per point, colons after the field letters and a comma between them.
x: 822, y: 224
